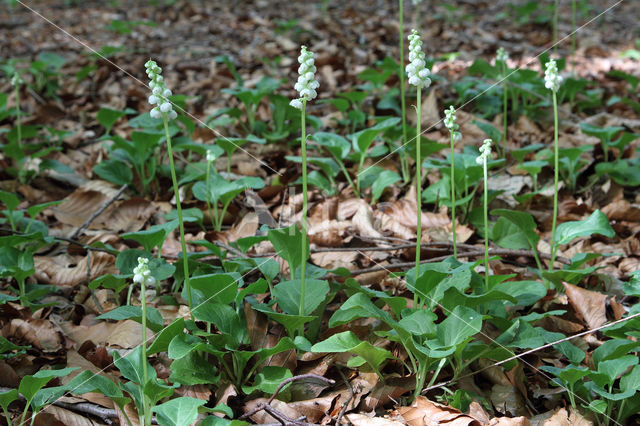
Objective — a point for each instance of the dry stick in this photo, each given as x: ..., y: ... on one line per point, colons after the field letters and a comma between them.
x: 81, y: 407
x: 279, y: 388
x: 349, y: 399
x: 504, y: 361
x: 497, y: 252
x: 97, y: 213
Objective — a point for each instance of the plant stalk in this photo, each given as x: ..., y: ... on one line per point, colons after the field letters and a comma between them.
x: 504, y: 110
x: 453, y: 198
x: 554, y: 244
x: 418, y: 190
x: 143, y: 352
x: 303, y: 220
x: 176, y: 193
x: 486, y: 225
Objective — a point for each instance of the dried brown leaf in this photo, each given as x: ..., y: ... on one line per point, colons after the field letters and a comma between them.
x: 590, y: 305
x: 423, y: 412
x: 40, y: 333
x: 64, y: 270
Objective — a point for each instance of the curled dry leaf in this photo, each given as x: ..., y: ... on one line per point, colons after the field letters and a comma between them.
x: 78, y: 206
x: 423, y: 412
x: 364, y: 420
x: 40, y: 333
x: 65, y: 270
x: 313, y: 409
x: 58, y: 416
x: 126, y: 216
x: 590, y: 305
x: 332, y: 260
x: 128, y: 334
x: 390, y: 390
x: 327, y: 233
x: 363, y: 222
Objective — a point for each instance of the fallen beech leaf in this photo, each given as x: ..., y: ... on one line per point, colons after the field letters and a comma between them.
x: 126, y: 216
x: 390, y: 390
x: 507, y: 400
x: 128, y: 334
x: 65, y: 270
x: 332, y: 260
x: 40, y: 333
x: 590, y: 305
x: 363, y: 222
x: 427, y: 413
x: 364, y: 420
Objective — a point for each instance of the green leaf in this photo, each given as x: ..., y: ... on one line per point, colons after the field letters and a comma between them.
x: 383, y: 181
x: 154, y: 318
x: 420, y: 323
x: 193, y: 369
x: 7, y: 398
x: 181, y: 411
x: 568, y: 375
x: 525, y: 292
x: 114, y: 171
x: 287, y: 244
x: 613, y: 349
x: 461, y: 324
x: 288, y: 293
x: 10, y: 200
x: 290, y: 322
x: 349, y: 342
x: 268, y: 380
x: 107, y: 117
x: 524, y: 222
x: 216, y: 288
x: 631, y: 380
x: 507, y: 234
x: 225, y: 318
x: 130, y: 366
x: 597, y: 223
x: 337, y: 145
x: 162, y: 340
x: 152, y: 237
x: 30, y: 385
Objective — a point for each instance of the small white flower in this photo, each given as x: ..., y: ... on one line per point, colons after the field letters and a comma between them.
x: 485, y: 152
x: 307, y: 84
x: 160, y: 93
x: 450, y: 123
x: 211, y: 157
x: 416, y: 71
x: 552, y: 79
x: 502, y: 55
x: 16, y: 80
x: 142, y: 273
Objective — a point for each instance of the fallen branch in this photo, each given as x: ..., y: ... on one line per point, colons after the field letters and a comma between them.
x: 278, y: 415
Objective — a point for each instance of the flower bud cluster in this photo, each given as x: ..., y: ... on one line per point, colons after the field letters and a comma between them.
x: 307, y: 83
x: 416, y: 69
x: 211, y: 157
x: 502, y: 55
x: 160, y: 93
x: 16, y: 80
x: 450, y: 123
x: 142, y: 273
x: 485, y: 152
x: 552, y: 79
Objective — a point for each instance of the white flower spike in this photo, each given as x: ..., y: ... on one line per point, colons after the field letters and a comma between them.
x: 450, y: 123
x: 160, y: 93
x: 142, y: 273
x: 552, y: 79
x: 307, y: 83
x: 417, y: 72
x: 502, y: 55
x: 485, y: 152
x: 16, y: 80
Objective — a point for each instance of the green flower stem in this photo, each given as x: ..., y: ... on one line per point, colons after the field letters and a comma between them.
x: 453, y: 199
x: 418, y: 190
x: 554, y: 245
x: 185, y: 261
x: 303, y: 220
x: 404, y: 160
x: 214, y: 220
x: 486, y: 225
x: 143, y: 354
x: 504, y: 110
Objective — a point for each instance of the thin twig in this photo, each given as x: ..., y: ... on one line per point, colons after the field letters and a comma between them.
x: 97, y: 213
x: 285, y: 382
x: 81, y: 407
x: 349, y: 399
x: 233, y: 250
x: 504, y: 361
